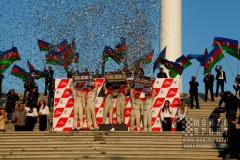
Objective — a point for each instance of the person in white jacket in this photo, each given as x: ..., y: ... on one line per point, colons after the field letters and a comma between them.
x: 147, y: 110
x: 91, y: 113
x: 180, y: 115
x: 43, y: 111
x: 31, y: 115
x: 137, y: 110
x: 166, y: 114
x: 79, y: 104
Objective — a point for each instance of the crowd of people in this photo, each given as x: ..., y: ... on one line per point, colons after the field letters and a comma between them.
x: 140, y: 109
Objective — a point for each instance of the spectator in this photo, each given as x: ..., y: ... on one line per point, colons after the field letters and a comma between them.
x: 31, y: 115
x: 3, y: 119
x: 138, y: 71
x: 97, y: 74
x: 12, y: 97
x: 27, y: 89
x: 236, y: 86
x: 166, y: 115
x: 1, y: 78
x: 46, y: 82
x: 51, y: 89
x: 43, y: 111
x: 208, y: 80
x: 33, y: 96
x: 127, y: 71
x: 221, y: 78
x: 86, y: 70
x: 70, y: 73
x: 19, y: 118
x: 161, y: 74
x: 194, y: 92
x: 181, y: 115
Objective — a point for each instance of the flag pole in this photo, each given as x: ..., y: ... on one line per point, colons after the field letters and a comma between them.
x: 226, y: 60
x: 197, y: 69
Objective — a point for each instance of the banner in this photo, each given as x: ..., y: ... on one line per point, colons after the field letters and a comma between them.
x: 143, y: 80
x: 115, y: 76
x: 165, y: 88
x: 83, y: 77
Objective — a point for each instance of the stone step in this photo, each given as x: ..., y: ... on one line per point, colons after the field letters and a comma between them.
x: 112, y: 152
x: 108, y: 148
x: 113, y: 156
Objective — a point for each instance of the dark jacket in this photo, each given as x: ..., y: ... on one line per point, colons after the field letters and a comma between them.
x: 193, y: 87
x: 219, y: 74
x: 162, y: 75
x: 209, y: 83
x: 231, y: 101
x: 11, y: 101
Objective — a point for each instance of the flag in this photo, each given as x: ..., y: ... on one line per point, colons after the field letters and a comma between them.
x: 9, y: 56
x: 74, y: 44
x: 36, y: 73
x: 4, y: 67
x: 104, y: 60
x: 212, y: 58
x: 172, y: 74
x: 44, y: 46
x: 76, y: 58
x: 52, y: 57
x: 30, y: 66
x: 158, y: 61
x: 21, y: 73
x: 145, y: 59
x: 66, y: 57
x: 61, y: 46
x: 230, y: 45
x: 173, y: 66
x: 121, y: 48
x: 109, y: 52
x: 198, y: 57
x: 183, y: 61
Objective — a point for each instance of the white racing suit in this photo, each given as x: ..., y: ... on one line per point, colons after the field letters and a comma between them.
x: 79, y: 105
x: 108, y: 103
x: 121, y: 104
x: 137, y: 111
x: 91, y: 113
x: 147, y: 112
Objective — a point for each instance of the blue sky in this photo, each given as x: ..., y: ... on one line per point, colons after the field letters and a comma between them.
x: 202, y: 20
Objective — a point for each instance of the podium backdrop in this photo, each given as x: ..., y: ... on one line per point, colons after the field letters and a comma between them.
x: 166, y: 89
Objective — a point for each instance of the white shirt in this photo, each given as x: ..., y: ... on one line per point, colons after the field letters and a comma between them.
x: 221, y: 76
x: 34, y: 112
x: 166, y: 113
x: 44, y: 111
x: 180, y: 115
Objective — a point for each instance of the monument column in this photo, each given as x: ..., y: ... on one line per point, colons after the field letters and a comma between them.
x: 171, y: 30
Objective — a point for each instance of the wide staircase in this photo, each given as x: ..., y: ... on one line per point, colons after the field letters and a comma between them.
x: 109, y: 144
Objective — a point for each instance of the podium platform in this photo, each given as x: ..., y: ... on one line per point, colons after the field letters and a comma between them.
x: 113, y: 127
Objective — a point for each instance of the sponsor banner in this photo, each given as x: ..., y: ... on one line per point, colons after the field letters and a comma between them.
x: 166, y: 89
